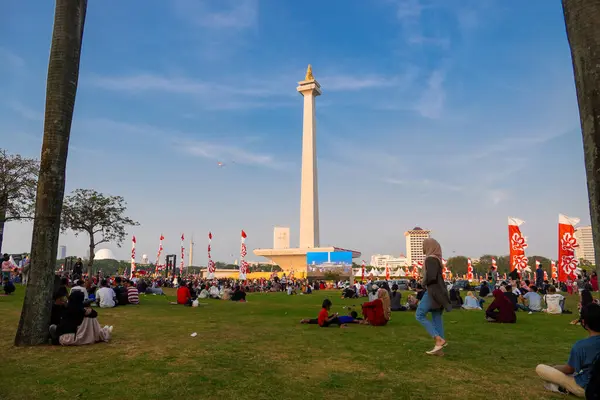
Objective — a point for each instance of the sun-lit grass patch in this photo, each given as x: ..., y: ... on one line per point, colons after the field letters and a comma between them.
x: 259, y: 350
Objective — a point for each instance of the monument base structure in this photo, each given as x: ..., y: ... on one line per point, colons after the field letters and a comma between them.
x: 294, y: 260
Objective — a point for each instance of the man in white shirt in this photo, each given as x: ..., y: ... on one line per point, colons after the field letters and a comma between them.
x: 214, y: 292
x: 80, y: 288
x: 554, y: 301
x: 105, y: 296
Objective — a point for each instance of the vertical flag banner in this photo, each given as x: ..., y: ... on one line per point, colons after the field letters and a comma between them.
x: 567, y: 263
x: 182, y: 255
x: 554, y: 270
x: 517, y: 243
x: 469, y: 269
x: 243, y: 263
x: 362, y: 268
x: 494, y: 264
x: 160, y: 250
x: 132, y: 256
x: 415, y: 270
x: 387, y: 272
x: 444, y: 269
x: 211, y: 265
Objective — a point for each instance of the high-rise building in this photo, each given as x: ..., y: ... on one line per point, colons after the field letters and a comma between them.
x: 414, y: 244
x: 62, y: 252
x: 281, y: 237
x: 585, y: 239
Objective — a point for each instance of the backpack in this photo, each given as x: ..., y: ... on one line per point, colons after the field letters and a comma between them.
x: 592, y: 391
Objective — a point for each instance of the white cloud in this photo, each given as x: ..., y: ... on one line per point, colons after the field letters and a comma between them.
x: 228, y: 153
x: 431, y: 103
x: 425, y: 184
x: 222, y: 14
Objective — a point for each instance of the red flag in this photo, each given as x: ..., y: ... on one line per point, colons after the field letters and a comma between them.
x: 133, y: 239
x: 244, y: 234
x: 182, y: 238
x: 567, y: 262
x: 517, y: 245
x: 209, y: 235
x: 162, y: 237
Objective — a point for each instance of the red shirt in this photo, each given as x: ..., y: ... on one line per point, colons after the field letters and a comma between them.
x: 183, y: 295
x: 323, y: 316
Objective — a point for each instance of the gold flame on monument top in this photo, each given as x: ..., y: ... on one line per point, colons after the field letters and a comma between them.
x: 309, y: 75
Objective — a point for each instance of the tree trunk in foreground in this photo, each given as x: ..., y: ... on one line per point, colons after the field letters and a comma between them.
x: 582, y: 18
x: 63, y: 74
x: 90, y: 263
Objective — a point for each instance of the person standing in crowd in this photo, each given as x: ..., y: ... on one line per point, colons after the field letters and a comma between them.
x: 539, y: 276
x: 435, y: 297
x: 594, y: 281
x: 78, y: 268
x: 6, y: 266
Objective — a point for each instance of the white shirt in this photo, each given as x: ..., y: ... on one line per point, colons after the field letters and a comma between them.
x: 372, y: 296
x: 214, y: 291
x: 553, y: 303
x: 289, y: 290
x: 81, y: 289
x: 106, y: 297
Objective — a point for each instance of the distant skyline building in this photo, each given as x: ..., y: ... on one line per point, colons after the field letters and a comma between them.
x: 414, y: 244
x: 585, y: 239
x: 383, y: 260
x: 62, y: 252
x: 281, y: 237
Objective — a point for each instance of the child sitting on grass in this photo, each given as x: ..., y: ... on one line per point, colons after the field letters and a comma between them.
x: 575, y: 375
x: 324, y: 319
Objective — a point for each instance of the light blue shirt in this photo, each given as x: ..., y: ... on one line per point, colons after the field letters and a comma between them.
x: 535, y: 301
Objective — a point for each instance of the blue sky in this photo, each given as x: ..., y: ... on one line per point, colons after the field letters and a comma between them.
x: 451, y: 115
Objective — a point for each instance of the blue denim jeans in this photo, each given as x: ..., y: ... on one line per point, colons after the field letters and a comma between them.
x: 435, y: 327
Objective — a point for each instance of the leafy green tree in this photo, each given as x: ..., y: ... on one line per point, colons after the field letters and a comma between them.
x: 18, y: 183
x: 101, y: 217
x: 457, y: 265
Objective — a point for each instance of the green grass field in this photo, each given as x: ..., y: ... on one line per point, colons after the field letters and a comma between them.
x: 258, y: 350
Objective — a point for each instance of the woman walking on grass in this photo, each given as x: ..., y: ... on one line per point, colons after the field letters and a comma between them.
x: 436, y: 298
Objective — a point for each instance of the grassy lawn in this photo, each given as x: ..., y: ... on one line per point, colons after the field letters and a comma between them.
x: 258, y: 350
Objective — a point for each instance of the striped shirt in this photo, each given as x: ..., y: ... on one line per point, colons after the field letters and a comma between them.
x: 133, y: 295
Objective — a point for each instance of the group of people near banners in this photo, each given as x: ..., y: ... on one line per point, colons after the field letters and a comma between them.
x: 579, y: 376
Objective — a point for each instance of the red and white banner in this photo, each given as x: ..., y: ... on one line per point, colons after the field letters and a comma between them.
x: 387, y: 273
x: 132, y: 257
x: 211, y: 265
x: 517, y: 244
x: 469, y: 269
x: 243, y: 263
x: 553, y: 270
x: 545, y: 276
x: 415, y: 271
x: 362, y: 268
x: 160, y: 250
x: 567, y: 263
x: 182, y: 256
x: 494, y: 264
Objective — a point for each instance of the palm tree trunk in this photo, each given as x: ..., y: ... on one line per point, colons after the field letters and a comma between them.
x: 583, y: 30
x: 63, y: 74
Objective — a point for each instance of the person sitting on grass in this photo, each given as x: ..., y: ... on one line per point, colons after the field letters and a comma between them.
x: 105, y: 296
x: 378, y: 311
x: 471, y: 302
x: 239, y: 294
x: 575, y: 375
x: 455, y: 300
x: 78, y: 324
x: 214, y: 292
x: 9, y: 287
x: 554, y: 301
x: 534, y: 300
x: 121, y: 292
x: 324, y: 319
x: 586, y: 299
x: 183, y: 295
x: 133, y: 296
x: 396, y: 299
x: 501, y: 310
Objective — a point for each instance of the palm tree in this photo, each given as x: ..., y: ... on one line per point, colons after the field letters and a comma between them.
x: 63, y: 74
x: 583, y: 32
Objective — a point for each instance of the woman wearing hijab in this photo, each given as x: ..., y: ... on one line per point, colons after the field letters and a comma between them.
x: 378, y: 311
x: 435, y: 299
x: 78, y: 324
x: 501, y: 310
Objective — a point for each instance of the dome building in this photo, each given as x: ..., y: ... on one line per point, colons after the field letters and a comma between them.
x: 104, y: 254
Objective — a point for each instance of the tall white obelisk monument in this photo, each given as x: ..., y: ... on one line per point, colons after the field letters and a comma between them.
x: 309, y: 191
